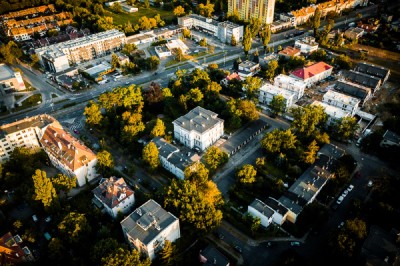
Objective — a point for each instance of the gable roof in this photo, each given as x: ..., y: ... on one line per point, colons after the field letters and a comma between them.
x: 362, y: 79
x: 369, y: 69
x: 113, y: 191
x: 308, y: 72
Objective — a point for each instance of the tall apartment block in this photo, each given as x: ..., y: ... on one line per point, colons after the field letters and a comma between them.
x: 247, y: 9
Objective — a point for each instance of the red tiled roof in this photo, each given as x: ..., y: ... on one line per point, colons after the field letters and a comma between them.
x: 12, y: 251
x: 113, y: 191
x: 234, y: 75
x: 290, y: 51
x: 308, y: 72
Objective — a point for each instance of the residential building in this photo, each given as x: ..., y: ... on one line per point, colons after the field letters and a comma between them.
x: 177, y: 44
x: 269, y: 91
x: 143, y: 38
x: 222, y: 30
x: 11, y: 252
x: 312, y: 74
x: 247, y: 9
x: 114, y: 195
x: 281, y: 25
x: 280, y: 211
x: 211, y: 256
x: 173, y: 159
x: 373, y: 70
x: 10, y: 80
x: 390, y: 139
x: 289, y: 51
x: 368, y: 27
x: 23, y: 133
x: 355, y: 90
x: 230, y: 77
x: 60, y: 56
x: 334, y: 113
x: 259, y: 209
x: 200, y: 128
x: 292, y: 84
x: 147, y: 228
x: 343, y: 101
x: 129, y: 8
x: 68, y: 154
x: 264, y: 60
x: 354, y: 33
x: 162, y: 51
x: 33, y: 11
x: 363, y: 79
x: 307, y: 45
x: 248, y: 68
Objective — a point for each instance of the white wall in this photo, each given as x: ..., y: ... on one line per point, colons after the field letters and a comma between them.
x: 265, y: 221
x: 171, y: 233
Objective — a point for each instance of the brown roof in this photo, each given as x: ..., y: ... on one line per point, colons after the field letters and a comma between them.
x: 66, y: 148
x: 12, y: 251
x: 307, y: 72
x: 113, y: 191
x: 290, y: 51
x: 39, y: 121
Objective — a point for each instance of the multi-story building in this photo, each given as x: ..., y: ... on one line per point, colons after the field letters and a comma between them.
x: 340, y: 100
x: 222, y: 30
x: 269, y: 91
x: 376, y: 71
x: 200, y: 128
x: 312, y: 74
x: 334, y: 113
x: 247, y: 9
x: 23, y: 133
x: 173, y: 159
x: 11, y: 251
x: 291, y: 84
x: 259, y: 209
x: 353, y: 33
x: 68, y: 154
x: 248, y: 68
x: 147, y: 228
x: 355, y: 90
x: 33, y: 11
x: 307, y: 45
x: 115, y: 196
x: 60, y: 56
x: 290, y: 51
x: 363, y: 79
x: 10, y: 79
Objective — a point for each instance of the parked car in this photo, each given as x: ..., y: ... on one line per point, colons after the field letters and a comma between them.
x: 34, y: 218
x: 295, y: 244
x: 350, y: 188
x: 339, y: 200
x: 370, y: 183
x: 340, y: 225
x: 345, y: 192
x: 48, y: 219
x: 76, y: 131
x: 269, y: 244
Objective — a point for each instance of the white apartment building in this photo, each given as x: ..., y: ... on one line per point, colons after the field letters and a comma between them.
x: 291, y: 84
x: 147, y: 228
x: 23, y: 133
x: 200, y: 128
x: 260, y: 210
x: 68, y: 154
x: 334, y: 113
x: 312, y: 74
x: 173, y: 159
x: 115, y: 196
x: 269, y: 91
x: 340, y: 100
x: 228, y: 29
x: 10, y: 79
x: 307, y: 45
x: 60, y: 56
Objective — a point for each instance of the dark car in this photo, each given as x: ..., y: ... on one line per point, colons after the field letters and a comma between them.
x: 238, y: 249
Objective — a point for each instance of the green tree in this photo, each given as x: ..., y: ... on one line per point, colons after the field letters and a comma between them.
x: 158, y: 129
x: 10, y: 52
x: 316, y: 21
x: 345, y: 128
x: 213, y: 89
x: 357, y: 228
x: 178, y: 54
x: 214, y: 158
x: 104, y: 246
x: 93, y: 114
x: 252, y: 86
x: 105, y: 162
x: 114, y: 61
x: 117, y: 8
x: 343, y: 61
x: 124, y: 257
x: 308, y: 119
x: 44, y: 190
x: 153, y: 62
x: 179, y: 11
x: 146, y: 3
x: 98, y: 9
x: 186, y: 33
x: 206, y: 10
x: 63, y: 183
x: 255, y: 225
x: 319, y: 55
x: 56, y: 250
x: 247, y: 40
x: 203, y: 42
x: 266, y: 36
x: 233, y: 40
x: 74, y: 227
x: 310, y: 155
x: 128, y: 48
x: 34, y: 60
x: 278, y: 140
x: 248, y: 110
x: 150, y: 155
x: 168, y: 254
x: 254, y: 26
x: 246, y: 174
x: 277, y: 104
x: 271, y: 69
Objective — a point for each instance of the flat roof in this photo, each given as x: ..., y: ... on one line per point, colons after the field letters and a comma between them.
x: 346, y: 99
x: 332, y: 111
x: 262, y: 208
x: 198, y: 119
x: 96, y: 70
x: 6, y: 72
x: 274, y: 90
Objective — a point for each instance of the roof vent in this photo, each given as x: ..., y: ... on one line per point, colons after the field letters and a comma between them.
x: 139, y: 211
x: 157, y: 227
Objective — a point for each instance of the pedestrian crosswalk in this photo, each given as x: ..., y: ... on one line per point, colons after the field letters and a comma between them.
x: 76, y: 125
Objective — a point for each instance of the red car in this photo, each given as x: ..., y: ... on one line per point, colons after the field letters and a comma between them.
x: 76, y: 131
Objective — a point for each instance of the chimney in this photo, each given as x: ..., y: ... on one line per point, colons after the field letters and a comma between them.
x: 55, y: 134
x: 59, y: 146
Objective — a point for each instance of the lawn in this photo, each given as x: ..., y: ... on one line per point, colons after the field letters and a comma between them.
x: 121, y: 19
x: 30, y: 102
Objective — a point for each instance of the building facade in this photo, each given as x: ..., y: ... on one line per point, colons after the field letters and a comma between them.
x: 353, y: 89
x: 10, y: 80
x: 115, y: 196
x: 269, y: 91
x: 291, y: 84
x: 339, y: 100
x: 61, y: 56
x: 259, y: 209
x: 200, y: 128
x: 147, y: 228
x: 312, y: 74
x: 334, y: 113
x: 247, y: 9
x: 307, y: 45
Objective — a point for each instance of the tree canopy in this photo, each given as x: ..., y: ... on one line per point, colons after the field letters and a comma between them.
x: 277, y: 105
x: 246, y: 174
x: 150, y: 155
x: 214, y: 158
x: 74, y: 227
x: 44, y: 190
x: 124, y: 257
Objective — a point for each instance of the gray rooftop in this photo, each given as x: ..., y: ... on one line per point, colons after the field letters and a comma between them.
x: 376, y: 71
x: 5, y: 72
x: 362, y: 79
x: 352, y: 89
x: 248, y: 64
x: 262, y: 208
x: 391, y: 136
x: 276, y: 206
x: 291, y: 204
x: 147, y: 222
x: 39, y: 121
x: 214, y: 257
x: 229, y: 25
x: 198, y: 119
x: 204, y: 19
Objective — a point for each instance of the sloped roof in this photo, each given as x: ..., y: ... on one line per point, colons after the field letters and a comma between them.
x: 290, y: 51
x: 39, y: 121
x: 308, y: 72
x: 113, y: 191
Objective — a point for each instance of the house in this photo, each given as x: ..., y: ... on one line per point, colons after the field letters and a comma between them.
x: 390, y: 139
x: 147, y: 228
x: 129, y: 8
x: 292, y: 84
x: 289, y: 51
x: 353, y: 33
x: 259, y: 209
x: 312, y: 74
x: 10, y: 80
x: 373, y: 70
x: 363, y: 79
x: 225, y: 81
x: 307, y: 45
x: 269, y: 91
x: 177, y: 43
x: 280, y: 25
x: 343, y: 101
x: 264, y: 60
x: 248, y: 69
x: 355, y: 90
x: 68, y: 154
x: 334, y: 113
x: 280, y: 211
x: 200, y: 128
x: 174, y: 160
x: 162, y: 51
x: 11, y: 252
x: 114, y: 195
x: 211, y: 256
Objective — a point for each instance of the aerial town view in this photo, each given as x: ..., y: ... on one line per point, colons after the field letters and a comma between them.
x: 199, y: 132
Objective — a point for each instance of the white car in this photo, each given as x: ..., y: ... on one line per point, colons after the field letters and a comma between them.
x: 350, y: 188
x: 339, y: 200
x: 370, y: 183
x: 345, y: 192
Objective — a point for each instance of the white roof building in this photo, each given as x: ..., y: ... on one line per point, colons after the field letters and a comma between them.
x: 333, y: 112
x: 269, y: 91
x: 292, y: 84
x: 342, y: 101
x: 307, y: 45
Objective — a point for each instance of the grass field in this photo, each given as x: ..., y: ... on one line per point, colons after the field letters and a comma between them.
x: 121, y: 19
x: 30, y: 102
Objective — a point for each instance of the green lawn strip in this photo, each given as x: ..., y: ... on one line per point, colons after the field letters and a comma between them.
x: 122, y: 18
x: 29, y: 102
